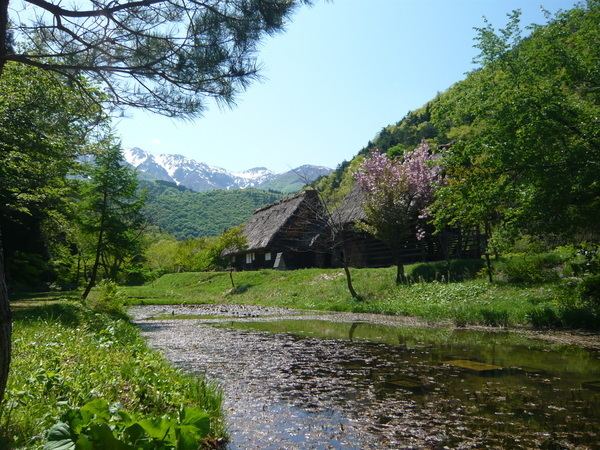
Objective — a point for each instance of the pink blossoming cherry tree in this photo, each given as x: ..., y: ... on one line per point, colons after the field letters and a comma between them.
x: 397, y: 193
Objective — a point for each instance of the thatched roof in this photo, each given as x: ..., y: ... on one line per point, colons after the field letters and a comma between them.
x: 351, y: 210
x: 266, y: 222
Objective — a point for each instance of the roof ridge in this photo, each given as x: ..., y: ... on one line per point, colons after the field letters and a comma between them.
x: 280, y: 201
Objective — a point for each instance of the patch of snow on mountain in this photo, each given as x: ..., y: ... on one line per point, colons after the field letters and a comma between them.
x: 256, y: 173
x: 135, y: 156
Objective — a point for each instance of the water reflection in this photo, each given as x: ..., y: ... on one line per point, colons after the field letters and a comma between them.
x: 472, y: 388
x: 298, y: 383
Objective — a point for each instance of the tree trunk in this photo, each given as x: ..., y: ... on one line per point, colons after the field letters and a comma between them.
x: 353, y: 293
x: 78, y: 274
x: 94, y: 273
x: 85, y: 271
x: 5, y: 327
x: 400, y: 276
x: 231, y: 279
x: 3, y: 33
x: 5, y: 316
x: 488, y: 263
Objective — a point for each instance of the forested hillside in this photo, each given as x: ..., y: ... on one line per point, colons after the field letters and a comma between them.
x: 186, y: 214
x: 518, y: 139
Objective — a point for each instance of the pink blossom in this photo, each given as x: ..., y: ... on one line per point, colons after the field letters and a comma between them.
x: 407, y: 183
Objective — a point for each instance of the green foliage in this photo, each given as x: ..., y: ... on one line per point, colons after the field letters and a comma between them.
x: 107, y: 298
x: 584, y: 260
x: 524, y: 130
x: 44, y: 125
x: 544, y: 317
x: 164, y: 254
x: 453, y: 270
x: 196, y: 51
x: 518, y: 136
x: 187, y: 214
x: 589, y: 292
x: 57, y: 343
x: 109, y: 212
x: 493, y: 318
x: 232, y: 238
x: 98, y: 425
x: 537, y: 268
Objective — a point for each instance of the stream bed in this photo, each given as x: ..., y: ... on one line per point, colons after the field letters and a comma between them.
x: 326, y: 380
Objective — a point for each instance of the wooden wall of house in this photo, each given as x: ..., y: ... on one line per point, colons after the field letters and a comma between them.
x: 363, y: 250
x: 289, y: 260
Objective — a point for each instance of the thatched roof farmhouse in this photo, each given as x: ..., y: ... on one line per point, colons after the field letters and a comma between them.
x: 283, y: 235
x: 294, y: 233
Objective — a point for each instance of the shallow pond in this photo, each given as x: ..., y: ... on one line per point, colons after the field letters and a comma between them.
x: 330, y: 382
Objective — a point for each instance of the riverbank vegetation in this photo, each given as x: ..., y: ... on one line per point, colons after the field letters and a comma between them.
x: 539, y: 290
x: 79, y: 375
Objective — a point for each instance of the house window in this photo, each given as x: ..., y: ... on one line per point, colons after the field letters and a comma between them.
x: 277, y: 261
x: 268, y: 256
x: 249, y: 258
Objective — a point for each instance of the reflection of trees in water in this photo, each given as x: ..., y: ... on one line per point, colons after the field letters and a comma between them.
x: 353, y: 328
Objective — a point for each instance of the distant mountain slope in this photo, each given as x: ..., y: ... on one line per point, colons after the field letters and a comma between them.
x: 185, y: 213
x: 200, y: 177
x: 295, y: 179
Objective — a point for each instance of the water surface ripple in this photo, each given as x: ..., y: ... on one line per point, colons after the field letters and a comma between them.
x: 298, y: 381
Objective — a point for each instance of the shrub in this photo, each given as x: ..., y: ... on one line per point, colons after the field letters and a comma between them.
x: 584, y: 260
x: 107, y: 298
x: 138, y: 275
x: 530, y: 269
x: 453, y: 270
x: 579, y: 305
x: 589, y: 291
x: 96, y: 425
x: 494, y: 318
x: 544, y: 317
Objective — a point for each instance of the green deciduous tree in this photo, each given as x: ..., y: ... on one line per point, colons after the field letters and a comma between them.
x: 110, y: 212
x: 526, y: 140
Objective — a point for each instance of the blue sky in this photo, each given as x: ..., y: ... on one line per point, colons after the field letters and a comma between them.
x: 340, y: 72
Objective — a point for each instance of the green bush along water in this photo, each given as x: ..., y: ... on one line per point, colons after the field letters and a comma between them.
x: 94, y: 374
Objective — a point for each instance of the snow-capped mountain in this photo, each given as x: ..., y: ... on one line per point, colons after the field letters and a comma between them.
x: 254, y: 176
x: 199, y: 176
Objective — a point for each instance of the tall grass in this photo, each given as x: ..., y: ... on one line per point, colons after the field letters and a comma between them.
x: 66, y: 355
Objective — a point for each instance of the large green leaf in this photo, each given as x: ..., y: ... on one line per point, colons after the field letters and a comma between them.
x: 103, y: 438
x: 60, y: 438
x: 161, y: 429
x: 98, y: 408
x: 188, y: 437
x: 198, y: 418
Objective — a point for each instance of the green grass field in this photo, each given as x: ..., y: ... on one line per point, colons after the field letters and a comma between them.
x: 466, y: 302
x: 65, y: 356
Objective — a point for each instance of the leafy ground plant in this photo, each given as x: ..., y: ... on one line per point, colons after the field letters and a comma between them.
x: 66, y: 356
x: 99, y: 425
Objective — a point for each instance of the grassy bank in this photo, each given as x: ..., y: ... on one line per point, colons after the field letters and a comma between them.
x: 466, y: 302
x: 97, y: 375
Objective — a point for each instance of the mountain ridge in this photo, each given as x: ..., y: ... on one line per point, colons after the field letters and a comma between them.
x: 201, y: 177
